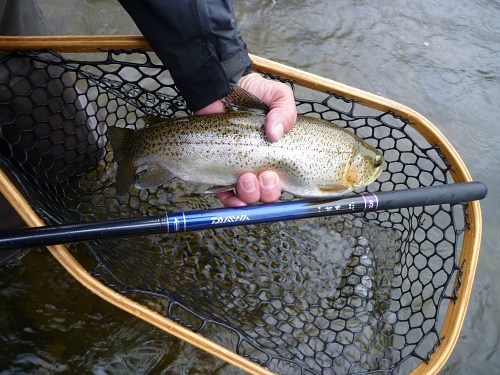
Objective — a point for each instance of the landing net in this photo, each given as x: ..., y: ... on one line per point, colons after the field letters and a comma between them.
x: 336, y: 295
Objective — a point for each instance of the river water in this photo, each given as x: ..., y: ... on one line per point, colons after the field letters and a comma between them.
x: 441, y: 59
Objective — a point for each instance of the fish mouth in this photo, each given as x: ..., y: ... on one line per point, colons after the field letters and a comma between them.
x: 379, y: 165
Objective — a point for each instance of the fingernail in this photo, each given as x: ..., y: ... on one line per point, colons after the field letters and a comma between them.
x: 277, y: 131
x: 269, y: 180
x: 249, y: 185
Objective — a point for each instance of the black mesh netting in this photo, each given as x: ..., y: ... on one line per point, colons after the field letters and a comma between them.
x: 348, y: 294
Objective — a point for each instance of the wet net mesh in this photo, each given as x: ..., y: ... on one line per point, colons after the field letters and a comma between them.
x: 344, y: 294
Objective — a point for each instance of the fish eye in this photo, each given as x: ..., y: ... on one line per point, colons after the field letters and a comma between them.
x: 378, y: 161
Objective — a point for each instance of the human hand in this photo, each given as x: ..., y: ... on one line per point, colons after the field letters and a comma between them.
x: 266, y: 185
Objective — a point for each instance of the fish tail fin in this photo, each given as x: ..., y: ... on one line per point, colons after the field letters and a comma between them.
x: 119, y: 138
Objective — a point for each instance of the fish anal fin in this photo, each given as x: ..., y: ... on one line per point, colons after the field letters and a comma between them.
x: 239, y: 98
x: 152, y: 176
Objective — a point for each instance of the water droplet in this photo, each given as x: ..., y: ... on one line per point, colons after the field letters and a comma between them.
x: 365, y: 260
x: 361, y: 290
x: 362, y: 241
x: 367, y: 282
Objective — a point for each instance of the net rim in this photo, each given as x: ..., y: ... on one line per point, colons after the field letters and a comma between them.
x: 456, y: 311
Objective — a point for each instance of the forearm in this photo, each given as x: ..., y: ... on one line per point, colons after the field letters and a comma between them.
x: 198, y: 41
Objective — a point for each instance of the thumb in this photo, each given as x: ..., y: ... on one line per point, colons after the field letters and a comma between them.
x: 280, y: 100
x: 283, y: 112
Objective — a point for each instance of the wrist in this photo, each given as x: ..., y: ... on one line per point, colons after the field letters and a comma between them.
x: 212, y: 108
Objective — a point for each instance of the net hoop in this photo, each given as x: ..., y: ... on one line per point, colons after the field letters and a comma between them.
x: 456, y: 311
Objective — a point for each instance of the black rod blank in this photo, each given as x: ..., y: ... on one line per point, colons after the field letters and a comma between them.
x: 226, y: 217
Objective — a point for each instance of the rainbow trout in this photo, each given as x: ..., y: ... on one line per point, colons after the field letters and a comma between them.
x: 315, y: 159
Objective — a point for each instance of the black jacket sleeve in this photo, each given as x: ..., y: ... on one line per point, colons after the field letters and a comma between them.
x: 198, y: 41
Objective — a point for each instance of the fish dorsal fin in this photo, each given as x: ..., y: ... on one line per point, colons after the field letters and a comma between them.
x: 151, y: 120
x: 241, y: 99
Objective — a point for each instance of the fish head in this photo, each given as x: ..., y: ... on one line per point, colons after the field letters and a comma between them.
x: 365, y: 166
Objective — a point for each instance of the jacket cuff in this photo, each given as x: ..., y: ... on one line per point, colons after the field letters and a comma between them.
x: 212, y: 80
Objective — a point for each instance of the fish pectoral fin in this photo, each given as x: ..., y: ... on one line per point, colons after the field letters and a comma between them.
x: 334, y: 188
x: 239, y: 98
x: 152, y: 176
x: 220, y: 189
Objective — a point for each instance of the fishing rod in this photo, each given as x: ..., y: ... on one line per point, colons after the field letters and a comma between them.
x: 229, y: 217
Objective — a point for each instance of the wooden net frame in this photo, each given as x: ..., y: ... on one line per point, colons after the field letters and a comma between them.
x: 471, y: 241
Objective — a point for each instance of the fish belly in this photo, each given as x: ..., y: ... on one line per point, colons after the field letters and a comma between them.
x: 302, y: 172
